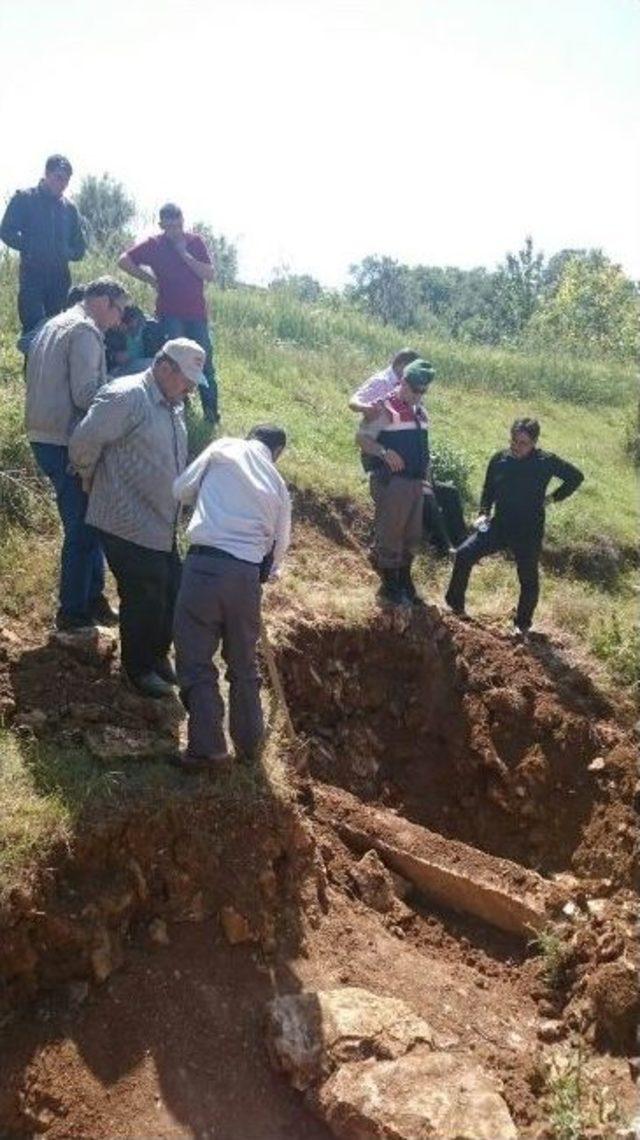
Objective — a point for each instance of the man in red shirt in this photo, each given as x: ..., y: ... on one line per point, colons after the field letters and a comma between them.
x: 177, y: 264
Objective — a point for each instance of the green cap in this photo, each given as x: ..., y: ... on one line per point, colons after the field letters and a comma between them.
x: 419, y: 374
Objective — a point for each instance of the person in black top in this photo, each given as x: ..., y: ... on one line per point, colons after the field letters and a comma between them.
x: 516, y: 486
x: 45, y: 228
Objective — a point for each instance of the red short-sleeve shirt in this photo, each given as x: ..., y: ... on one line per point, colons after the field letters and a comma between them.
x: 180, y: 292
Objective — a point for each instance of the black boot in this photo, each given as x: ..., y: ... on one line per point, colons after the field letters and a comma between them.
x: 407, y: 587
x: 390, y: 592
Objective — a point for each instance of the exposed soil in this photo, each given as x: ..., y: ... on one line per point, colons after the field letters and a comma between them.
x: 133, y: 1001
x: 474, y: 737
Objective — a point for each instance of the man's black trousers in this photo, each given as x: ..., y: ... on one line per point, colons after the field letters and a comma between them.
x: 526, y: 552
x: 42, y: 293
x: 148, y: 582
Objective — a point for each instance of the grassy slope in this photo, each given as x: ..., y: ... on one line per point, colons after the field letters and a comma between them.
x: 284, y: 361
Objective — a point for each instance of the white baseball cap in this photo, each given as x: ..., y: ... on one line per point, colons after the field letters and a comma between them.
x: 189, y: 357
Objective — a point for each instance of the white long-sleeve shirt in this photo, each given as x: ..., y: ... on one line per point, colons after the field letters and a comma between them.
x: 242, y: 504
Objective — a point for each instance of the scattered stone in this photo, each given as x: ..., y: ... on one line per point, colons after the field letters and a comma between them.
x: 597, y: 764
x: 310, y: 1034
x: 103, y: 960
x: 158, y: 932
x: 596, y: 907
x: 401, y: 886
x: 91, y: 646
x: 550, y: 1031
x: 35, y: 719
x: 571, y: 910
x: 236, y: 927
x: 77, y: 993
x: 374, y: 882
x: 418, y: 1095
x: 269, y: 884
x: 111, y: 742
x: 614, y: 993
x: 86, y: 713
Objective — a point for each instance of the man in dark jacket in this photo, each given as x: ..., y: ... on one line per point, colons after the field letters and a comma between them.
x: 396, y: 447
x: 516, y: 485
x: 45, y: 228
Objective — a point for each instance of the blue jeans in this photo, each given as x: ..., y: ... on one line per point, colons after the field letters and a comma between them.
x: 199, y: 331
x: 82, y: 562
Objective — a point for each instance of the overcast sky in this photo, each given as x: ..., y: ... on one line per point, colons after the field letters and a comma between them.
x: 315, y: 132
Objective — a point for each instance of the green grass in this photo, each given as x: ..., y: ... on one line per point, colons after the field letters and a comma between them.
x: 295, y: 363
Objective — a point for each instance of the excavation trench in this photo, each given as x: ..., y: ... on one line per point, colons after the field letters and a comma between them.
x: 160, y: 933
x: 507, y: 748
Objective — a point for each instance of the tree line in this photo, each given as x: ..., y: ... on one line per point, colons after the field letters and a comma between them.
x: 577, y: 301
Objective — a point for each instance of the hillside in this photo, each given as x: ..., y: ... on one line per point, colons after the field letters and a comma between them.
x: 281, y: 359
x: 452, y: 827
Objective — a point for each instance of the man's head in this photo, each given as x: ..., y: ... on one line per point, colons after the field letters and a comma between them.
x: 57, y: 172
x: 105, y: 300
x: 401, y: 359
x: 177, y: 368
x: 524, y: 437
x: 75, y: 294
x: 275, y: 438
x: 416, y: 378
x: 132, y: 318
x: 171, y: 220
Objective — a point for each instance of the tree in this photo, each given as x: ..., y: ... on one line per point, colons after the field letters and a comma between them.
x: 463, y: 301
x: 518, y: 289
x: 106, y: 211
x: 387, y: 290
x: 224, y: 253
x: 300, y: 285
x: 593, y: 309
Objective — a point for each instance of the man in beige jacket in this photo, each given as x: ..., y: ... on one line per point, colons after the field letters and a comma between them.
x: 65, y: 368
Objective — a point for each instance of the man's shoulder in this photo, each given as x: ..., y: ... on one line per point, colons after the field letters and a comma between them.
x: 125, y: 387
x: 69, y: 205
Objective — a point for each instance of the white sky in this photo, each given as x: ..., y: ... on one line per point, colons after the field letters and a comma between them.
x: 315, y: 132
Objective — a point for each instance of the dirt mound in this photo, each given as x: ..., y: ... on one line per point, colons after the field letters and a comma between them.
x: 500, y: 745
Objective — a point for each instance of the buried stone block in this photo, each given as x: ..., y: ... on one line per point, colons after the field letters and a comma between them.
x: 455, y: 875
x: 112, y: 742
x: 419, y: 1095
x: 310, y: 1034
x: 374, y: 1070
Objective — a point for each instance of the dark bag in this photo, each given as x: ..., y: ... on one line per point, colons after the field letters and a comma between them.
x: 266, y: 566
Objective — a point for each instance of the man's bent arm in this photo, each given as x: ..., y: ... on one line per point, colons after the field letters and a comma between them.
x: 488, y: 496
x: 187, y: 485
x: 110, y: 417
x: 129, y: 266
x: 283, y: 532
x: 85, y: 371
x: 12, y: 223
x: 571, y: 478
x: 202, y: 269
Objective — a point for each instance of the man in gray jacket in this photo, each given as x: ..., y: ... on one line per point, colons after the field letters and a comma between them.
x: 128, y: 450
x: 65, y: 368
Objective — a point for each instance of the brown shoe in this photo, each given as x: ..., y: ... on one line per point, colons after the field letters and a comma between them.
x: 217, y: 765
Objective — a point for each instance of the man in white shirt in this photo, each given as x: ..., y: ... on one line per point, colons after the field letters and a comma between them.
x: 368, y: 399
x: 239, y: 533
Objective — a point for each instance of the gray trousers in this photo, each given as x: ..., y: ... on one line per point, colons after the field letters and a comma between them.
x: 398, y: 519
x: 219, y: 601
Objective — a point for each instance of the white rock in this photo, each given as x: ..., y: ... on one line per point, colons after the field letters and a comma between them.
x: 420, y: 1095
x: 310, y: 1034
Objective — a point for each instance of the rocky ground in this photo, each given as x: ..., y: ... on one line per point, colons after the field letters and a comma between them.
x: 416, y: 922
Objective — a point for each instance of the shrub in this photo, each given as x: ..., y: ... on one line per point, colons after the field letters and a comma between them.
x: 451, y: 465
